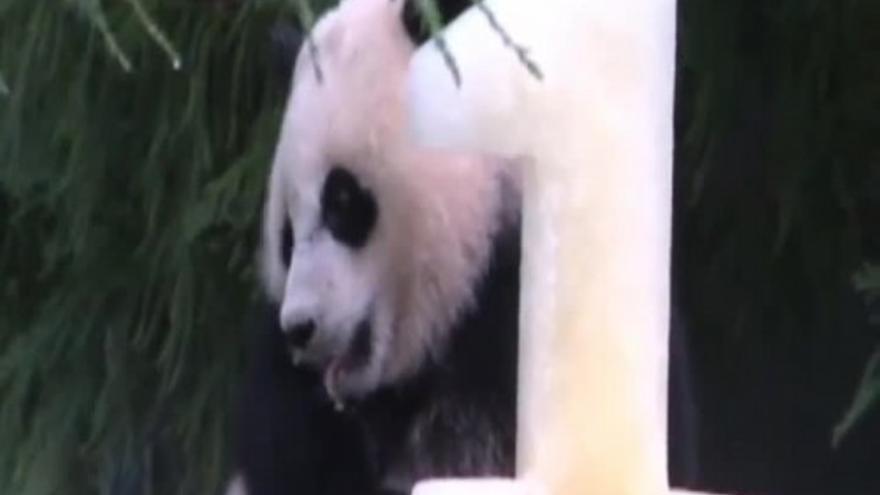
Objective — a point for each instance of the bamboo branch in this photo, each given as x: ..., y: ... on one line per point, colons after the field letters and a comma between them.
x: 428, y: 9
x: 96, y: 15
x: 156, y: 33
x: 521, y: 52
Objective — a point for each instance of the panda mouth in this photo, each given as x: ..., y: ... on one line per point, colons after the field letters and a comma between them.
x: 355, y: 357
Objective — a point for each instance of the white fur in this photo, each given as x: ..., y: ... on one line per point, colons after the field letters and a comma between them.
x: 438, y: 211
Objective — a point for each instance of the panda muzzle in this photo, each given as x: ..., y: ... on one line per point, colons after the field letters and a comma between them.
x: 357, y: 356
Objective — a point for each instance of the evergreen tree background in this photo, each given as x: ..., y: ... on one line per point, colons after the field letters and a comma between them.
x: 135, y: 138
x: 777, y: 240
x: 130, y: 196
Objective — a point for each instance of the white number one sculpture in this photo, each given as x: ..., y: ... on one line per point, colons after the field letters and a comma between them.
x: 597, y: 129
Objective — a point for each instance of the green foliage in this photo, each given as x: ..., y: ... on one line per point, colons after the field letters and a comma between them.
x: 130, y: 199
x: 867, y: 395
x: 779, y: 167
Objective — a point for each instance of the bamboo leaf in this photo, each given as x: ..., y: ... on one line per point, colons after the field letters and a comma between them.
x: 156, y: 33
x: 867, y: 395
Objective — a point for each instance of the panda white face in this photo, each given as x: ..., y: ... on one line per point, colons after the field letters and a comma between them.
x: 372, y: 245
x: 333, y: 254
x: 329, y: 268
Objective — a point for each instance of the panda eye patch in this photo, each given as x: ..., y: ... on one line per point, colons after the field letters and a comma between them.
x: 348, y: 210
x: 286, y: 242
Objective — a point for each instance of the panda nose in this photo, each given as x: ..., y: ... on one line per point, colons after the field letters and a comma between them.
x: 300, y: 334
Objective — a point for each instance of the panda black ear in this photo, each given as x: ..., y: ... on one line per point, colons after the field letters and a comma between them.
x: 417, y: 27
x: 285, y: 41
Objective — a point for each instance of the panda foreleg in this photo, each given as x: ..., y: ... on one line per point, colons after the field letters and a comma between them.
x: 290, y: 440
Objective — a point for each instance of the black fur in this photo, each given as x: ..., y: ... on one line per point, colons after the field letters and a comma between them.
x: 415, y: 24
x: 286, y: 242
x: 285, y: 39
x: 348, y: 210
x: 287, y: 431
x: 455, y: 418
x: 683, y: 415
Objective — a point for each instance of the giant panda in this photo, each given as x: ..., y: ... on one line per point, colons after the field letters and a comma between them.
x: 391, y: 274
x: 388, y: 350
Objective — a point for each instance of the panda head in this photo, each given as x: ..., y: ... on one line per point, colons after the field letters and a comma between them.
x: 372, y: 246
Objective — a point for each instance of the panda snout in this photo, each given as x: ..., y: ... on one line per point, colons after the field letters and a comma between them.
x: 299, y: 334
